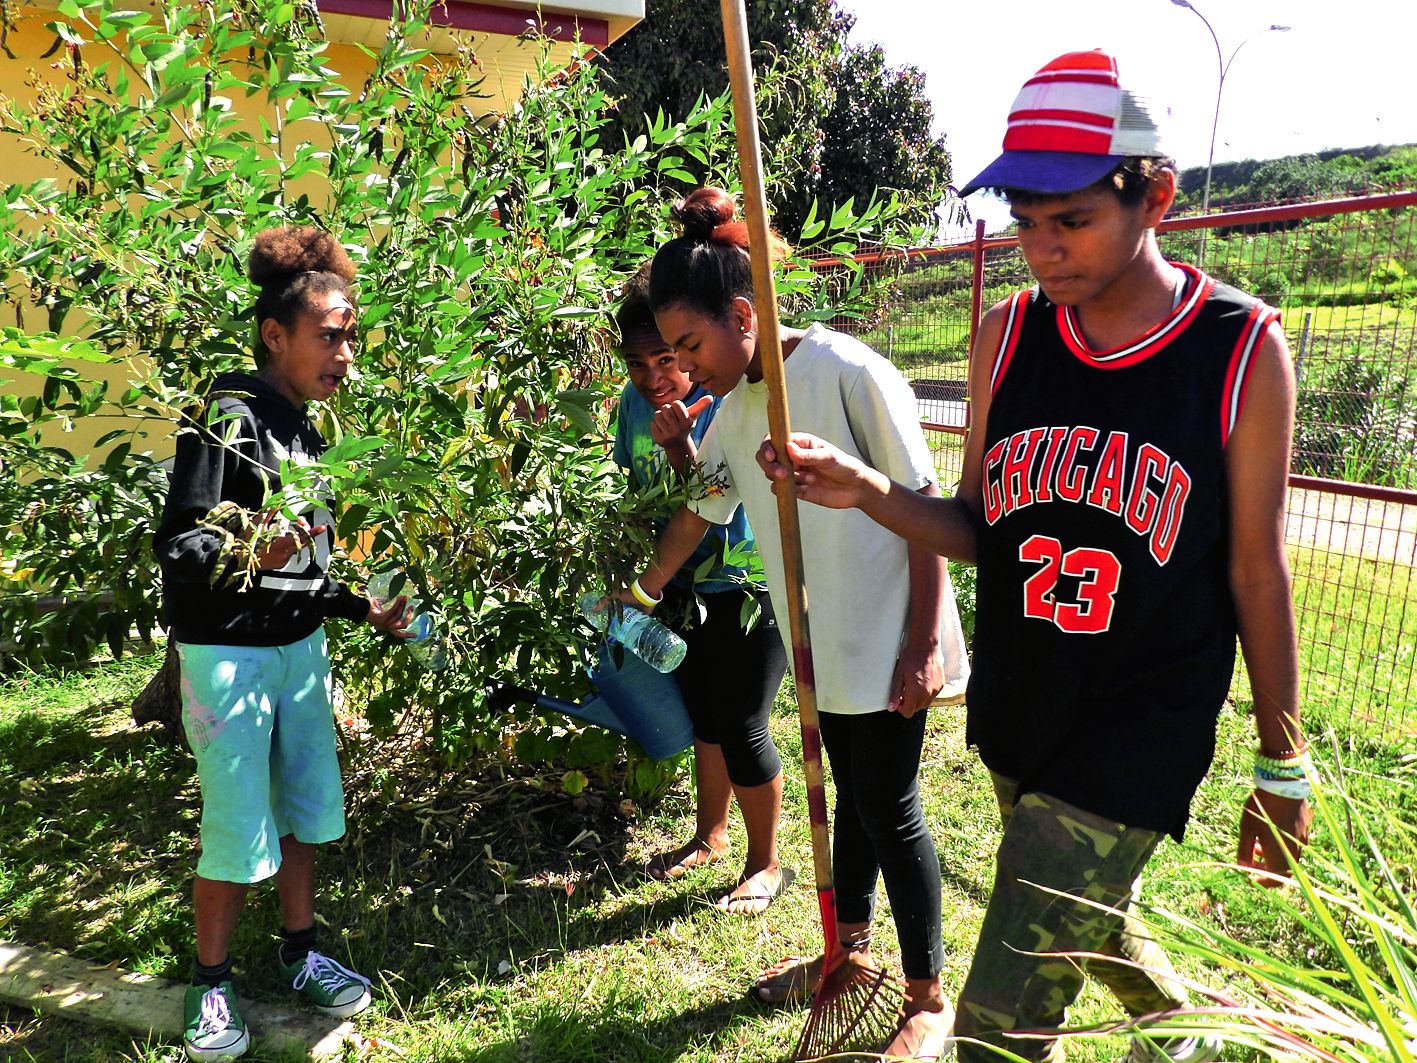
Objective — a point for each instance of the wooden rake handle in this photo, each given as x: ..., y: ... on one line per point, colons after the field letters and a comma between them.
x: 745, y: 120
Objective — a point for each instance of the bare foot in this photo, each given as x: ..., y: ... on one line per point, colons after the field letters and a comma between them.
x: 755, y: 892
x: 791, y: 979
x: 921, y: 1037
x: 694, y: 853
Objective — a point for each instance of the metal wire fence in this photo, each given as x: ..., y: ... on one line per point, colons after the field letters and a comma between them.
x: 1344, y: 275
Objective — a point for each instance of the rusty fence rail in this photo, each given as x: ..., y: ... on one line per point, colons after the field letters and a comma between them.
x: 1344, y: 274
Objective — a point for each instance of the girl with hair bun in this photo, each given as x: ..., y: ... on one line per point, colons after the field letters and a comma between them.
x: 248, y: 624
x: 659, y: 422
x: 885, y: 632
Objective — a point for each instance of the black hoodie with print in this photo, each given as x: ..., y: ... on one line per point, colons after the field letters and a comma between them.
x: 234, y: 454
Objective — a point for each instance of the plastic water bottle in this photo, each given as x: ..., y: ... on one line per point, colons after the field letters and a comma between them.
x: 424, y: 642
x: 637, y: 631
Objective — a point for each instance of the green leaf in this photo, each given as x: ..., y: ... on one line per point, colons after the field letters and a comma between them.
x: 175, y: 95
x: 351, y: 448
x: 351, y: 520
x: 843, y: 215
x: 45, y: 345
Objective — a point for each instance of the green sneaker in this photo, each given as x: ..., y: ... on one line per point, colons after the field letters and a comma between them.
x: 330, y: 986
x: 213, y: 1029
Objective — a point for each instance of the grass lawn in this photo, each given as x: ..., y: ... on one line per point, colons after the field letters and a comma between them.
x: 1358, y: 637
x: 500, y: 918
x: 1344, y: 318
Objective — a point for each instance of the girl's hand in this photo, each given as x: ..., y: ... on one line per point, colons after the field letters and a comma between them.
x: 391, y: 619
x: 627, y: 597
x: 671, y: 426
x: 824, y: 474
x: 919, y: 676
x: 275, y: 553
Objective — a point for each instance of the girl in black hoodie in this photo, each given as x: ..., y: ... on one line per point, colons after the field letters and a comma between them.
x: 246, y: 593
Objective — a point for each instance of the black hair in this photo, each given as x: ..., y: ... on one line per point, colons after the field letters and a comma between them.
x: 634, y: 316
x: 290, y: 265
x: 708, y: 266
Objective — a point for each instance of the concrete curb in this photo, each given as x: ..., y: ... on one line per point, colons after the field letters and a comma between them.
x: 55, y: 983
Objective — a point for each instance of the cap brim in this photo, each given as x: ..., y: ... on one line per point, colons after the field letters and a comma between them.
x: 1047, y: 173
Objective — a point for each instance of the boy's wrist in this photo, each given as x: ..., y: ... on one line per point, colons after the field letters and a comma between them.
x: 1293, y: 751
x: 1288, y: 775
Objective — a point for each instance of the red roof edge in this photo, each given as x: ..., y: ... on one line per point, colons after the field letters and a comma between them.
x: 485, y: 18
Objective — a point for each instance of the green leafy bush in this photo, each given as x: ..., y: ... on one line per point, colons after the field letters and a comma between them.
x: 1387, y: 273
x: 471, y: 446
x: 1352, y: 418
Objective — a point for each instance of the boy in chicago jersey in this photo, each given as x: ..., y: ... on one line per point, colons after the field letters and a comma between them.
x: 1122, y: 494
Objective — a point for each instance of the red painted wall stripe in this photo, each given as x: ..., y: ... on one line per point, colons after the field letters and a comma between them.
x: 484, y: 18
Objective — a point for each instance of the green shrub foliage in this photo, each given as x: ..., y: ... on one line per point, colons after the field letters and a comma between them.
x: 471, y: 446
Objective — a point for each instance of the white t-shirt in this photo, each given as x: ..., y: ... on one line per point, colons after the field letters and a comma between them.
x: 857, y: 573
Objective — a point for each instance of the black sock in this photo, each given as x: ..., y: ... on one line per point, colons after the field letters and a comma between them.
x: 297, y: 945
x: 212, y: 976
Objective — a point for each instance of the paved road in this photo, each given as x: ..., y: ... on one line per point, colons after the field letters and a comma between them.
x: 1380, y: 531
x: 940, y: 401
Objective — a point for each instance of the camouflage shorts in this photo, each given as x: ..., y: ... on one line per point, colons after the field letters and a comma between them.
x: 1070, y: 853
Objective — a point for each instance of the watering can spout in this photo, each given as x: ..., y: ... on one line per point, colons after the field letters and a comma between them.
x: 634, y: 700
x: 596, y: 711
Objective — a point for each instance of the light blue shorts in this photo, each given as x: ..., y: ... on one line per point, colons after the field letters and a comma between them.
x: 260, y: 721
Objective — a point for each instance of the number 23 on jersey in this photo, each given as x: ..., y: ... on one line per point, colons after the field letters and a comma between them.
x: 1097, y: 571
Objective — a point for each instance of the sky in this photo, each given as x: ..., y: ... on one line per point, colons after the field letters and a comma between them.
x: 1341, y: 76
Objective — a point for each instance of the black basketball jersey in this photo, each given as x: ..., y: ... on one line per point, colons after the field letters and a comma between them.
x: 1105, y: 631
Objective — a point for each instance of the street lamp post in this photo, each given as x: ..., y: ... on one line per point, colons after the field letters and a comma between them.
x: 1223, y: 68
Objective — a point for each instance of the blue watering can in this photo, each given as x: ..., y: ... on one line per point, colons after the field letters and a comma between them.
x: 635, y: 701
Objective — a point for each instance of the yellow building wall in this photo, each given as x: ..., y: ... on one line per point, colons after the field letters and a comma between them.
x: 19, y: 78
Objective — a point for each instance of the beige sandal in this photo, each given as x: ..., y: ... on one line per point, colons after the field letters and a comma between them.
x: 920, y: 1037
x: 757, y: 900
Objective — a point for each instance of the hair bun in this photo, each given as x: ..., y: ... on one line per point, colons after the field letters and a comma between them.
x: 280, y: 254
x: 703, y: 210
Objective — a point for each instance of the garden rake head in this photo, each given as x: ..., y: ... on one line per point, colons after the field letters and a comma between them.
x: 854, y: 1009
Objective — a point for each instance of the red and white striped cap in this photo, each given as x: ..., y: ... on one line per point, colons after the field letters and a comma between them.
x: 1071, y: 125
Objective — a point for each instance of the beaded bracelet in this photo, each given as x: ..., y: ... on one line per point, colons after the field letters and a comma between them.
x: 1297, y: 765
x: 1293, y: 758
x: 643, y: 597
x: 1294, y: 789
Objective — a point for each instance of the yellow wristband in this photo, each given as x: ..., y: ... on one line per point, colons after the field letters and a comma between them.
x: 642, y: 596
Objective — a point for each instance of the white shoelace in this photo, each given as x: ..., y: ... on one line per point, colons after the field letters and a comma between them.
x: 216, y: 1012
x: 329, y: 974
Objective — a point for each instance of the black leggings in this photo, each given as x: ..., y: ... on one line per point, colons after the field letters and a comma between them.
x: 729, y: 680
x: 875, y: 763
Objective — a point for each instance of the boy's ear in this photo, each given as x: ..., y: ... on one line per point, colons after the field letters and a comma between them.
x: 1160, y: 194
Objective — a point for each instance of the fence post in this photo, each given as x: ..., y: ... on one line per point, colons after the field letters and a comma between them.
x: 976, y: 309
x: 1303, y: 346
